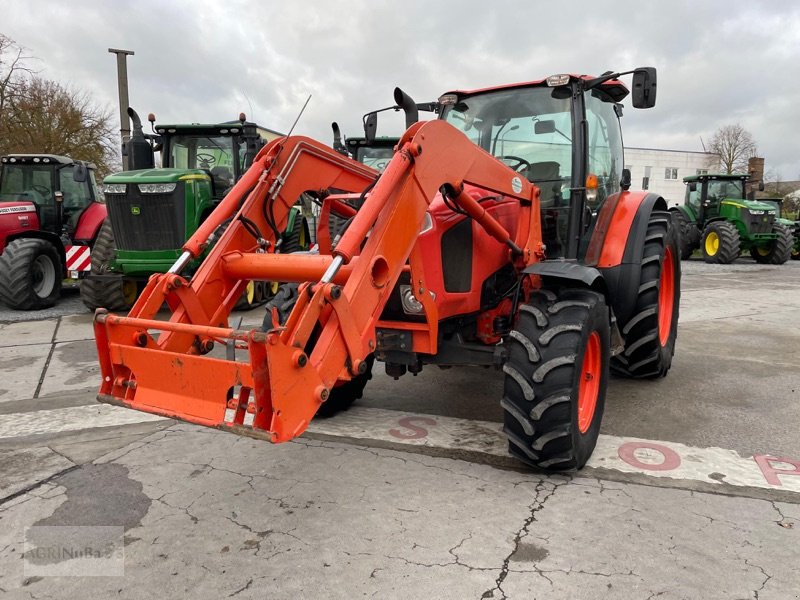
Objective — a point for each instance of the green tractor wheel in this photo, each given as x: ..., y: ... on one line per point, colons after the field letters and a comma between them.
x: 720, y: 244
x: 777, y: 251
x: 689, y: 234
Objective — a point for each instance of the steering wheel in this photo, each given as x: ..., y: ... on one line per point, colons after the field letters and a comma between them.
x: 520, y: 164
x: 42, y: 189
x: 206, y: 160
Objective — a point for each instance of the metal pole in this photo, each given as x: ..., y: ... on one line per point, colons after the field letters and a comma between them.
x: 122, y: 84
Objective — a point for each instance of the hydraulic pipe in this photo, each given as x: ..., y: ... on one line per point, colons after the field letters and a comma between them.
x: 283, y: 267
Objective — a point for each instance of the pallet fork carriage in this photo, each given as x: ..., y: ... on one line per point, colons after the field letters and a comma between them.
x: 341, y: 321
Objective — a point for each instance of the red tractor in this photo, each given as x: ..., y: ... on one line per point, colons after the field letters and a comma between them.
x: 50, y: 216
x: 503, y: 234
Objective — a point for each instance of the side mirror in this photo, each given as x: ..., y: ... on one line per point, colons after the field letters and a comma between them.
x: 79, y: 173
x: 644, y: 87
x: 370, y: 126
x: 760, y: 186
x: 542, y: 127
x: 625, y: 182
x: 692, y: 187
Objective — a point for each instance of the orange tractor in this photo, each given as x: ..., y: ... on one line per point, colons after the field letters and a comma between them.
x: 501, y: 234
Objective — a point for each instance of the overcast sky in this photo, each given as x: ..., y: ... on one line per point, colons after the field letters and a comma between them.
x: 719, y: 62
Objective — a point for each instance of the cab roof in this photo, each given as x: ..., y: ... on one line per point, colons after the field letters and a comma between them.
x: 43, y: 159
x: 613, y: 87
x: 713, y: 176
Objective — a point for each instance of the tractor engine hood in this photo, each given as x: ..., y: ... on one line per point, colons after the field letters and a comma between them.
x: 16, y: 204
x: 752, y: 206
x: 157, y: 176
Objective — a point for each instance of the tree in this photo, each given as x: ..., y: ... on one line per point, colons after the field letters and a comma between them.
x: 734, y: 145
x: 51, y: 119
x: 13, y: 70
x: 38, y: 115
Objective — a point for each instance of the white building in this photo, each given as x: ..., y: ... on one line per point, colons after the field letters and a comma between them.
x: 662, y: 171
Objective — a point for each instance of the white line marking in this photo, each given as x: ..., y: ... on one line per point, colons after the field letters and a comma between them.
x: 624, y: 454
x: 74, y: 418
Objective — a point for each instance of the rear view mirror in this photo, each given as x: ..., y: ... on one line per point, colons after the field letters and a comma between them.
x: 644, y: 87
x: 79, y: 173
x: 370, y: 126
x: 541, y: 127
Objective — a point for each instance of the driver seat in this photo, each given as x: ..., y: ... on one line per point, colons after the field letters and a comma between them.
x: 546, y: 176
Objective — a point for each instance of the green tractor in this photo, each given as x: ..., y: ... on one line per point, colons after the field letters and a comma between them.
x: 152, y: 211
x: 718, y: 219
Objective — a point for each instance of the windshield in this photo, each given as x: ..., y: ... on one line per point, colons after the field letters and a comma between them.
x: 27, y: 182
x: 202, y: 152
x: 529, y: 129
x: 719, y: 189
x: 377, y: 158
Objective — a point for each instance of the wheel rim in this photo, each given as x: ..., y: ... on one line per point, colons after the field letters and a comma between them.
x: 44, y: 276
x: 250, y: 292
x: 129, y: 292
x: 712, y: 243
x: 589, y: 387
x: 666, y: 297
x: 762, y: 251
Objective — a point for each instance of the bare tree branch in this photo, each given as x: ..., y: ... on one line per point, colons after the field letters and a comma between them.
x: 734, y: 145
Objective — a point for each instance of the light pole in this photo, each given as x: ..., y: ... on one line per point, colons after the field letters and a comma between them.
x: 122, y: 84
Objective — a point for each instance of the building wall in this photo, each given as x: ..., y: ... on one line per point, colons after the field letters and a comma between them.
x: 669, y: 185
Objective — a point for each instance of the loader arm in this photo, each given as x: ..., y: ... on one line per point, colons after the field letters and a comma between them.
x: 291, y: 369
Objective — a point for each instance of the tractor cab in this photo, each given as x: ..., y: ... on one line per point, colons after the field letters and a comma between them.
x: 562, y: 134
x: 57, y: 188
x: 222, y: 151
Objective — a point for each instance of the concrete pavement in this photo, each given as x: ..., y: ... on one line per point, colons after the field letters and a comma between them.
x: 362, y: 512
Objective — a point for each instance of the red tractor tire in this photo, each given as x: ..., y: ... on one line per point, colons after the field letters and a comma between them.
x: 30, y: 274
x: 651, y: 332
x: 556, y: 378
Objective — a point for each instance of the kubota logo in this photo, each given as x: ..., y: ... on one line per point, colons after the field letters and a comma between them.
x: 135, y: 210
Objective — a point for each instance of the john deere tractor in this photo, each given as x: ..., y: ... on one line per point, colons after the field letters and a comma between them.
x: 717, y: 218
x: 153, y: 211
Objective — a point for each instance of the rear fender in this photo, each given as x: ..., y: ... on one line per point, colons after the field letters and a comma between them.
x: 617, y: 244
x: 90, y: 221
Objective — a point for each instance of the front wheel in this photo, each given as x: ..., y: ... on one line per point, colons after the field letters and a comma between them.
x: 107, y: 290
x: 556, y: 378
x: 651, y: 332
x: 777, y: 251
x: 30, y: 274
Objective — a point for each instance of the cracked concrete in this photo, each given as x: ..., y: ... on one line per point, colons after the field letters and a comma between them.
x: 233, y: 517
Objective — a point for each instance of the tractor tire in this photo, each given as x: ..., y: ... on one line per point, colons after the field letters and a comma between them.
x: 113, y: 295
x: 721, y: 244
x: 556, y: 378
x: 30, y: 274
x: 778, y: 251
x: 343, y: 395
x: 650, y: 334
x: 689, y: 234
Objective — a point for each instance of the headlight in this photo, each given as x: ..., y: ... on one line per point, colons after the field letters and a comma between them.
x: 115, y: 188
x: 411, y: 306
x: 157, y: 188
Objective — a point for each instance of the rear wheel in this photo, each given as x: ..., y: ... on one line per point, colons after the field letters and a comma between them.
x: 30, y: 274
x: 114, y: 293
x: 688, y: 233
x: 556, y: 378
x: 650, y: 334
x: 721, y: 244
x: 776, y: 252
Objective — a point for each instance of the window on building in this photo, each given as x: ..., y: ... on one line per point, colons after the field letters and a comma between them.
x: 646, y: 178
x: 701, y: 172
x: 670, y: 173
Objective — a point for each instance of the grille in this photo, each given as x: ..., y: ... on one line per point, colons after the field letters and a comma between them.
x: 761, y: 223
x: 148, y: 221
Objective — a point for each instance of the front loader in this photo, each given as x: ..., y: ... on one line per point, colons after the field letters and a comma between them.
x: 503, y: 234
